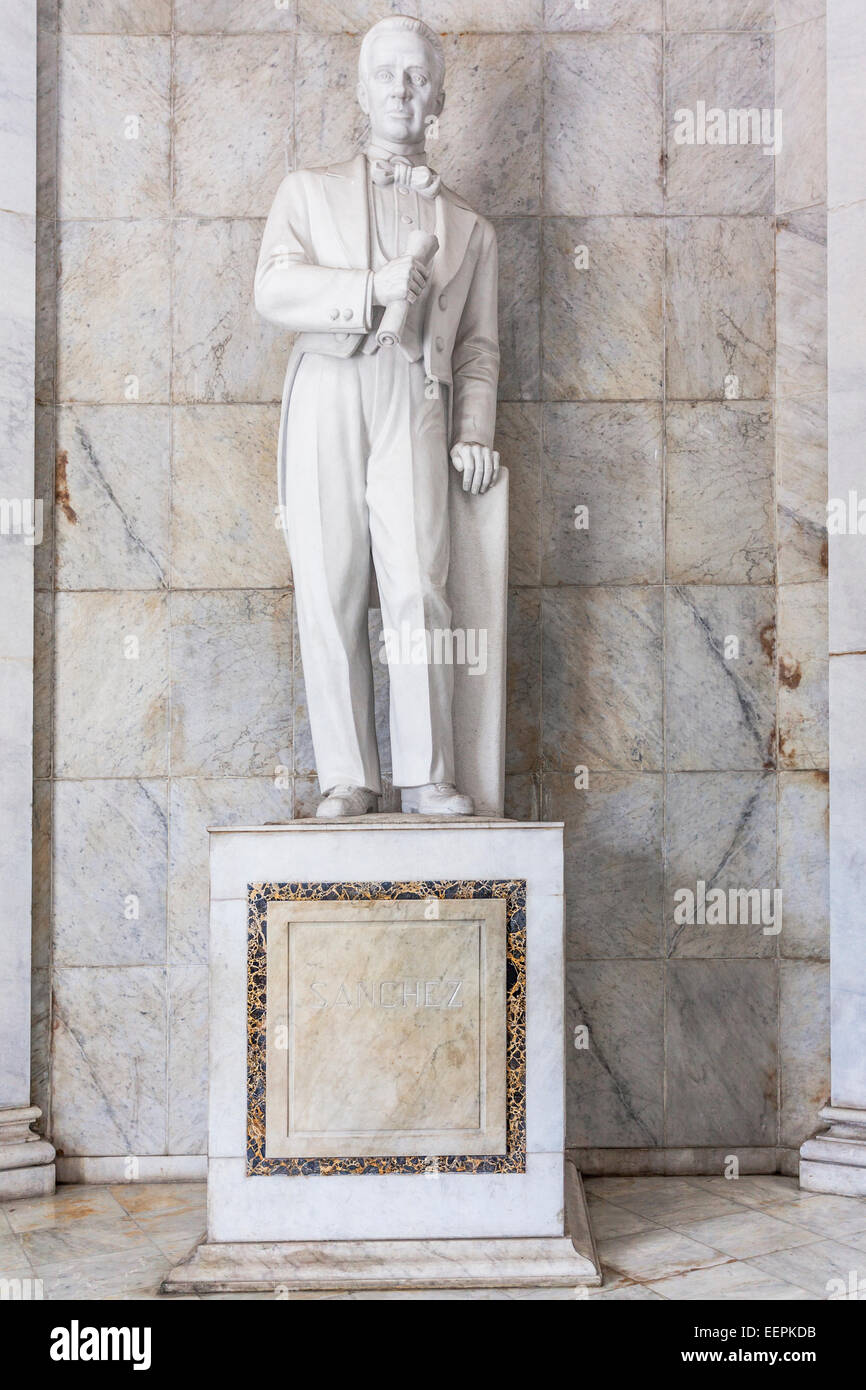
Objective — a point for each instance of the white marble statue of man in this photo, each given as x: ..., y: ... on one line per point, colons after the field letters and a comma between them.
x: 370, y: 417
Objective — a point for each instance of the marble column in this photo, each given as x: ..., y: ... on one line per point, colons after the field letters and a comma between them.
x: 26, y: 1160
x: 835, y: 1161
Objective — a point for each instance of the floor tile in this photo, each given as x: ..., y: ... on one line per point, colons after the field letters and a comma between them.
x: 75, y: 1202
x: 157, y: 1198
x: 745, y: 1233
x: 608, y: 1220
x: 729, y: 1281
x: 837, y: 1217
x: 825, y: 1268
x: 654, y: 1254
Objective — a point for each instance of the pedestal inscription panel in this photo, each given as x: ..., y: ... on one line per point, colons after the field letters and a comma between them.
x: 387, y: 1027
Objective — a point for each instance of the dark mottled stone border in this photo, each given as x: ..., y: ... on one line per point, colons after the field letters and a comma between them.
x: 514, y: 892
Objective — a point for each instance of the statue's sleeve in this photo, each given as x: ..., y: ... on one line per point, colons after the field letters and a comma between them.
x: 292, y: 288
x: 475, y: 359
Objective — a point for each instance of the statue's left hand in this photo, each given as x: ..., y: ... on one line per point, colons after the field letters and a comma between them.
x: 478, y: 464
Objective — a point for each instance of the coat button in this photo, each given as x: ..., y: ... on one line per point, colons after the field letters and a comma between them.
x: 347, y: 314
x: 335, y: 313
x: 439, y: 344
x: 443, y: 301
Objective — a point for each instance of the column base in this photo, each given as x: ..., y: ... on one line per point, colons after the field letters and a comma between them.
x: 26, y: 1159
x: 835, y: 1161
x: 350, y: 1265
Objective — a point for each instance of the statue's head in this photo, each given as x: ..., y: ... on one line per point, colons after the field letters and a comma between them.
x: 401, y: 70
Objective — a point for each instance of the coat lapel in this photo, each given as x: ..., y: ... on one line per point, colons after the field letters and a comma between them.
x: 454, y: 226
x: 345, y: 188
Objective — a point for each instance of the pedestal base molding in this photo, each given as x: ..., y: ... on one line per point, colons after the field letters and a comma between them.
x: 349, y: 1265
x: 835, y: 1161
x: 26, y: 1159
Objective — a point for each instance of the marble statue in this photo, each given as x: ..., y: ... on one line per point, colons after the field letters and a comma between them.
x: 390, y: 281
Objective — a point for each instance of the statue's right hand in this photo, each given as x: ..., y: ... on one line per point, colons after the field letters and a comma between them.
x: 399, y: 280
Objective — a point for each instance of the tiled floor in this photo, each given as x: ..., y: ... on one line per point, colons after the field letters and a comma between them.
x: 669, y: 1238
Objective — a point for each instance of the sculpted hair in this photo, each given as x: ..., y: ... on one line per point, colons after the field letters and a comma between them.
x: 416, y: 26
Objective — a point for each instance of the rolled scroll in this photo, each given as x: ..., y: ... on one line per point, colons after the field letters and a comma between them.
x: 423, y: 246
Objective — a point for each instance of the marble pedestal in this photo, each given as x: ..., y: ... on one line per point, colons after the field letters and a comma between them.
x: 387, y: 1060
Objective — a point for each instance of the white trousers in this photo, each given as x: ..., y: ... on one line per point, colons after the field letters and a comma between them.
x: 367, y: 477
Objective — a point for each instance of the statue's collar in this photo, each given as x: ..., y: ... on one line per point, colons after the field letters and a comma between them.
x: 386, y: 150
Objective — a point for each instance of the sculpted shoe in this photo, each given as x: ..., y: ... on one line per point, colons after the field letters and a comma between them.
x: 436, y: 799
x: 344, y: 800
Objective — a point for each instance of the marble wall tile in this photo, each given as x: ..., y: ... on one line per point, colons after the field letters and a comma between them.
x: 41, y: 891
x: 801, y: 166
x: 196, y: 803
x: 602, y: 325
x: 112, y: 497
x: 465, y: 16
x: 187, y: 1059
x: 720, y: 710
x: 804, y: 876
x: 614, y: 1085
x: 46, y: 122
x: 40, y: 1046
x: 233, y: 117
x: 803, y: 676
x: 801, y: 302
x: 18, y: 110
x: 801, y: 488
x: 730, y: 72
x: 722, y: 1057
x: 109, y: 1061
x: 43, y: 682
x: 224, y: 499
x: 518, y: 439
x: 113, y: 131
x: 41, y: 958
x: 720, y: 486
x: 489, y: 146
x: 522, y: 800
x: 804, y: 1047
x: 519, y: 241
x: 46, y: 311
x: 113, y: 312
x: 847, y: 95
x: 223, y: 350
x: 111, y: 695
x: 603, y: 124
x: 720, y: 829
x: 110, y: 870
x: 303, y: 758
x: 523, y: 681
x: 233, y: 16
x: 17, y: 347
x: 613, y: 862
x: 720, y: 325
x: 612, y: 14
x: 794, y: 11
x: 719, y: 14
x: 327, y: 130
x: 607, y: 458
x: 44, y: 449
x: 116, y: 16
x: 602, y: 678
x: 231, y: 682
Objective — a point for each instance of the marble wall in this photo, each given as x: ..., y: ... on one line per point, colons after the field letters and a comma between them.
x: 663, y: 366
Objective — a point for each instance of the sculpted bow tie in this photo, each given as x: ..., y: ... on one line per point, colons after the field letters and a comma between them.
x: 402, y: 172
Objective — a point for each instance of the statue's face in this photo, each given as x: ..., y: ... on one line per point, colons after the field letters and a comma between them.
x: 399, y: 90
